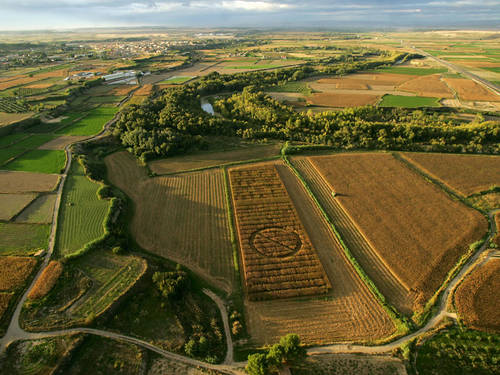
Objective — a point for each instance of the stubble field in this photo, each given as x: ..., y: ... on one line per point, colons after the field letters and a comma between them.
x: 466, y: 174
x: 278, y: 258
x: 416, y: 229
x: 182, y: 217
x: 476, y: 298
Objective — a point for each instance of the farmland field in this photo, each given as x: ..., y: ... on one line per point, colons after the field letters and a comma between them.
x: 10, y: 118
x: 176, y: 80
x: 82, y: 213
x: 342, y: 100
x: 211, y: 159
x: 91, y: 124
x: 408, y: 101
x: 12, y: 204
x: 412, y: 71
x: 47, y: 280
x: 427, y: 86
x: 476, y: 295
x: 365, y: 254
x: 23, y: 239
x: 169, y: 210
x: 466, y: 174
x: 4, y: 303
x: 26, y: 182
x: 42, y: 161
x: 278, y: 258
x: 470, y: 90
x: 61, y: 142
x: 406, y: 212
x: 40, y: 211
x: 349, y: 312
x: 14, y: 271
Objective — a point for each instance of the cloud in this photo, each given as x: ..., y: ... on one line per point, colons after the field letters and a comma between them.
x: 21, y: 14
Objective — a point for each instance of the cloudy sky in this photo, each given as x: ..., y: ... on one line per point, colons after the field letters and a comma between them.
x: 56, y: 14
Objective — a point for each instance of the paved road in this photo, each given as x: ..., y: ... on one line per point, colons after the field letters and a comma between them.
x: 489, y: 85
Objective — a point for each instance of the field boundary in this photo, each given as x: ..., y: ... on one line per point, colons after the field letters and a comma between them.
x: 422, y: 317
x: 402, y: 325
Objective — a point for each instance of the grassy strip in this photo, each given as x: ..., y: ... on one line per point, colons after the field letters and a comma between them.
x: 408, y: 101
x: 402, y: 326
x: 230, y: 219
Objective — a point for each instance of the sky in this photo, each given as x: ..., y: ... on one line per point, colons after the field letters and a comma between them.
x: 333, y: 14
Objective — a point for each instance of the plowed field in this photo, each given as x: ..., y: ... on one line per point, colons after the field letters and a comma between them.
x: 342, y: 100
x: 416, y: 229
x: 25, y: 182
x: 467, y: 174
x: 476, y: 298
x: 279, y: 260
x: 183, y: 218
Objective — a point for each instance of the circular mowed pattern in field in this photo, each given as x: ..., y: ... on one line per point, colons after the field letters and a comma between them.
x: 275, y: 242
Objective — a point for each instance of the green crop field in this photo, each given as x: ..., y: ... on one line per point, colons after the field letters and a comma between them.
x: 40, y: 211
x: 299, y: 87
x: 23, y: 143
x: 23, y: 239
x: 493, y: 69
x: 263, y: 66
x: 82, y: 213
x: 91, y: 124
x: 8, y: 140
x: 9, y: 153
x: 106, y: 99
x: 176, y: 80
x: 43, y: 161
x: 411, y: 71
x: 408, y: 101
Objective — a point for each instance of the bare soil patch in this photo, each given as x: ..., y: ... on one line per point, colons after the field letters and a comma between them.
x: 470, y: 90
x: 431, y: 85
x: 342, y: 100
x: 345, y: 83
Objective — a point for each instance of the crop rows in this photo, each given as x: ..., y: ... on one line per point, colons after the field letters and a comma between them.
x: 364, y: 253
x: 12, y: 105
x: 278, y: 257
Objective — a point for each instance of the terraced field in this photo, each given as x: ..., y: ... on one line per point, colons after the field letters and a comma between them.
x: 358, y: 244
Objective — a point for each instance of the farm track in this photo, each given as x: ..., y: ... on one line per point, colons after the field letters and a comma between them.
x: 364, y: 253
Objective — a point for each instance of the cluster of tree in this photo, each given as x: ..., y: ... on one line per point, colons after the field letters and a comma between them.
x: 287, y: 352
x: 172, y: 285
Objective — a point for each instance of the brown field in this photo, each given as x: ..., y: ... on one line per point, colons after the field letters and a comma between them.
x: 416, y: 229
x: 466, y: 174
x: 61, y: 142
x: 39, y: 85
x: 14, y: 271
x: 278, y: 258
x: 431, y: 85
x: 12, y: 204
x: 26, y: 182
x: 342, y: 100
x: 471, y: 91
x: 349, y: 312
x: 183, y: 218
x: 377, y: 270
x: 210, y: 159
x: 144, y: 90
x: 477, y: 64
x: 4, y: 303
x: 22, y: 80
x: 345, y: 83
x: 10, y: 118
x: 381, y: 79
x: 122, y: 90
x: 476, y: 298
x: 47, y: 280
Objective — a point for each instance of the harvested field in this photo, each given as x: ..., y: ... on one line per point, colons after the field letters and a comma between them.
x: 365, y: 254
x: 12, y: 204
x: 349, y: 312
x: 211, y: 159
x: 10, y: 118
x: 466, y: 174
x: 40, y: 211
x: 416, y: 229
x: 345, y: 83
x: 26, y: 182
x: 470, y: 90
x: 476, y: 298
x: 144, y: 90
x: 278, y: 258
x: 14, y: 271
x: 122, y: 90
x: 4, y: 303
x: 428, y: 86
x: 47, y: 280
x: 183, y: 218
x: 342, y: 100
x: 381, y: 79
x: 23, y: 239
x: 60, y: 143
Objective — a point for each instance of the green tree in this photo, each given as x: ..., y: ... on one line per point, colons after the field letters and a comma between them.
x: 257, y: 364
